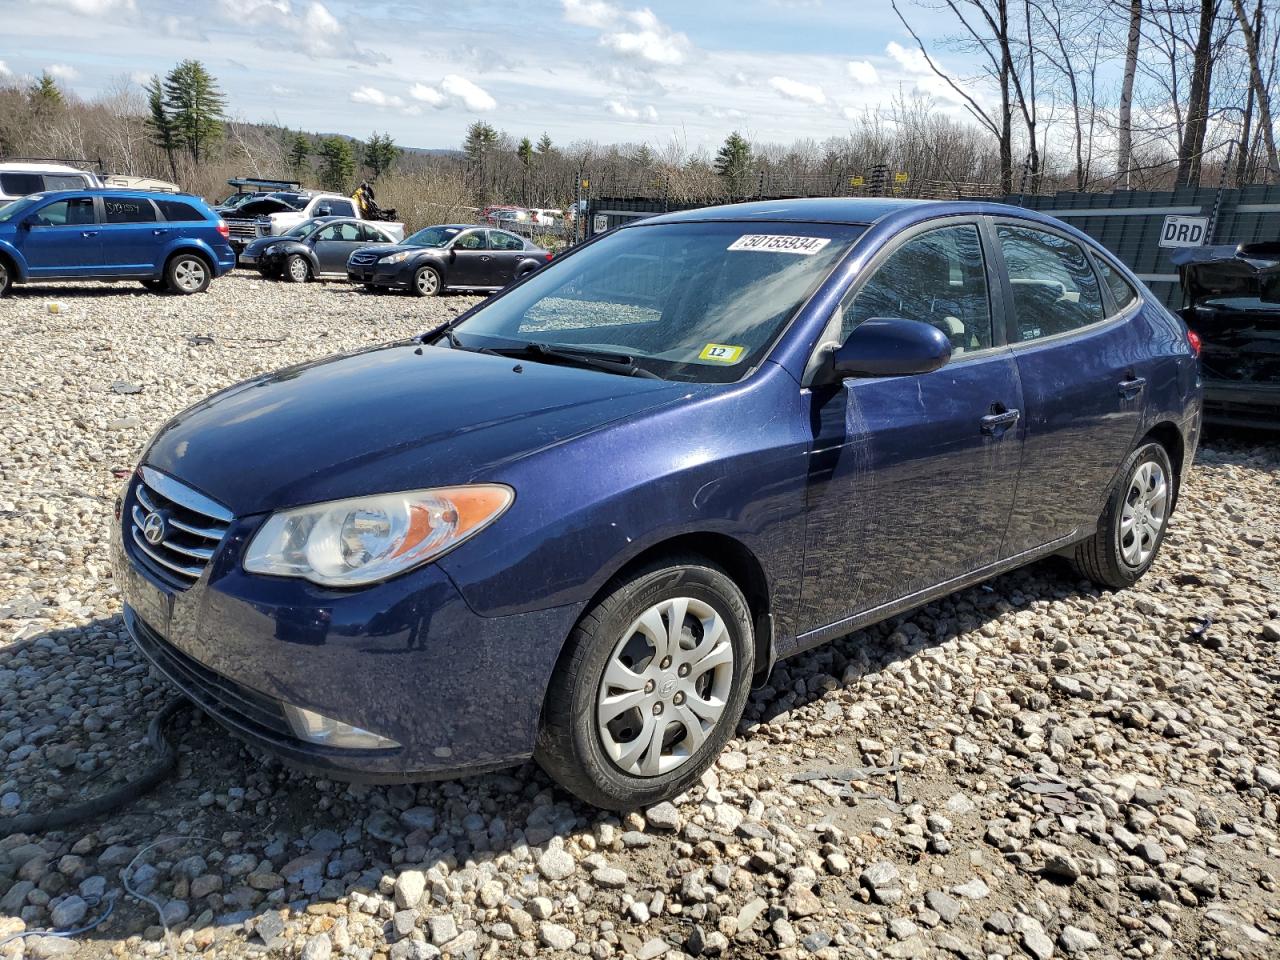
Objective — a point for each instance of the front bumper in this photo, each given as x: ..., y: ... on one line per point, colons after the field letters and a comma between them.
x: 407, y: 659
x: 375, y: 274
x: 1252, y: 405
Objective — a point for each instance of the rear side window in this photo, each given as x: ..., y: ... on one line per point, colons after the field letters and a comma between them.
x: 66, y: 213
x: 1054, y: 288
x: 939, y: 278
x: 21, y: 184
x: 504, y: 241
x: 175, y: 211
x: 129, y: 210
x: 1121, y: 291
x: 372, y: 234
x: 64, y: 181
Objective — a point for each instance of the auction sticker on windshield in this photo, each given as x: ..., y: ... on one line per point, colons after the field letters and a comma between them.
x: 721, y: 353
x: 778, y: 243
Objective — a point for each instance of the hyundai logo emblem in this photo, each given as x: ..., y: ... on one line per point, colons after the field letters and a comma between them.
x: 153, y: 529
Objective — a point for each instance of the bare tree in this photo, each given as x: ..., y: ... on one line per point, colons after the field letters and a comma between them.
x: 1257, y: 88
x: 1124, y: 150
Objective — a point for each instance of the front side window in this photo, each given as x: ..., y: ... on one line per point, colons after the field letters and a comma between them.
x: 1122, y: 291
x: 1054, y: 288
x: 128, y: 210
x: 939, y: 278
x: 340, y: 231
x: 471, y: 240
x: 700, y: 301
x: 65, y: 213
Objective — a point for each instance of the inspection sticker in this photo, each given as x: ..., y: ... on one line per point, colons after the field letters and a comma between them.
x: 777, y: 243
x: 721, y: 353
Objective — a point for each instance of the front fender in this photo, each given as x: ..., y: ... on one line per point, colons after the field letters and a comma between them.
x: 15, y: 257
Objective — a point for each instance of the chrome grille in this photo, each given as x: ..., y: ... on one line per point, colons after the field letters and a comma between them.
x: 243, y: 229
x: 364, y: 258
x: 185, y: 526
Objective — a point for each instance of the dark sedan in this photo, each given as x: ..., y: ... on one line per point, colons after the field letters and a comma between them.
x: 448, y: 257
x: 314, y: 249
x: 579, y: 520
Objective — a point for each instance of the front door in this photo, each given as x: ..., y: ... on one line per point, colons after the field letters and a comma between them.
x: 335, y: 243
x: 132, y: 239
x: 1083, y: 367
x: 911, y: 479
x: 63, y: 239
x: 472, y: 263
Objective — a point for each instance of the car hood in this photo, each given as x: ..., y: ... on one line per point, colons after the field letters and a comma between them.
x: 255, y: 247
x: 383, y: 249
x: 397, y: 417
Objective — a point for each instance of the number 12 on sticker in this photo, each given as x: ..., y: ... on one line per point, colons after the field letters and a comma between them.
x: 721, y: 353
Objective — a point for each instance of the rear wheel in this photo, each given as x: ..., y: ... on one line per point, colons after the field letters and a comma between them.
x: 426, y: 282
x: 1133, y: 522
x: 651, y: 684
x: 188, y: 273
x: 6, y: 278
x: 296, y: 269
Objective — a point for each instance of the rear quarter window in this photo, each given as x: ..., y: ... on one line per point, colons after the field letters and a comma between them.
x: 175, y: 211
x: 1122, y: 291
x: 21, y: 184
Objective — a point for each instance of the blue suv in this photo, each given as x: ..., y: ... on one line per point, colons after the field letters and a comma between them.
x: 168, y: 241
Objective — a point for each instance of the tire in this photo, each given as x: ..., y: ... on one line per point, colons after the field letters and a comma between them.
x: 188, y: 273
x: 6, y: 278
x: 608, y: 764
x: 426, y: 282
x: 156, y: 286
x: 297, y: 269
x: 1133, y: 522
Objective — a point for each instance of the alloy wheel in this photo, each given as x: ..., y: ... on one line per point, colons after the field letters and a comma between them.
x: 298, y: 270
x: 427, y: 282
x: 1145, y: 510
x: 189, y: 274
x: 665, y: 686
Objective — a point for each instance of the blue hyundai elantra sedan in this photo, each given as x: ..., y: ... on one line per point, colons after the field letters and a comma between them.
x: 577, y: 521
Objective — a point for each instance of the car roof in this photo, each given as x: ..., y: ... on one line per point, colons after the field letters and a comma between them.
x: 120, y: 192
x: 850, y: 210
x: 23, y: 166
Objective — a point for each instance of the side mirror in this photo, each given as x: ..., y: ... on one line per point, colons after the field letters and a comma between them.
x: 891, y: 347
x: 25, y: 224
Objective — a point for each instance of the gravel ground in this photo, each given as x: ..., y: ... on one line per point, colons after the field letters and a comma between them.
x: 1028, y: 768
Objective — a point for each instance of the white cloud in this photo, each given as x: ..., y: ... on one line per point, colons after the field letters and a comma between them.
x: 280, y: 90
x: 621, y: 108
x: 860, y: 71
x: 915, y: 63
x: 637, y: 33
x: 912, y: 61
x: 467, y: 93
x: 796, y: 90
x: 428, y: 95
x: 61, y: 71
x: 454, y: 90
x: 92, y: 8
x: 309, y: 27
x: 375, y: 97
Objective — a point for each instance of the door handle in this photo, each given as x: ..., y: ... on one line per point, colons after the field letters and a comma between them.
x: 1132, y: 387
x: 89, y: 233
x: 484, y: 258
x: 158, y: 233
x: 1000, y: 421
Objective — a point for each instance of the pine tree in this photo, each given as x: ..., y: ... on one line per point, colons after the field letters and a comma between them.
x: 195, y: 106
x: 482, y: 138
x: 160, y: 124
x: 544, y: 145
x: 337, y: 163
x: 380, y: 154
x: 299, y: 151
x: 733, y: 162
x: 45, y: 98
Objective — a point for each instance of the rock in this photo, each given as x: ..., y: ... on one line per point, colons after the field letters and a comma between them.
x: 419, y: 818
x: 556, y: 937
x: 1267, y: 777
x: 443, y: 929
x: 1034, y: 940
x: 318, y: 947
x: 943, y: 904
x: 974, y: 889
x: 1271, y: 631
x: 611, y: 878
x: 68, y: 914
x: 409, y: 888
x: 663, y: 816
x: 900, y: 928
x: 652, y: 948
x: 800, y: 901
x: 1074, y: 940
x: 556, y: 864
x: 47, y: 948
x: 749, y: 912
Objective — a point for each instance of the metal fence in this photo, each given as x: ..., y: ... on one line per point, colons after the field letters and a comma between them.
x: 1126, y: 222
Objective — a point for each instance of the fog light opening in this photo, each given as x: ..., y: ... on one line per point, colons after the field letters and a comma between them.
x: 325, y: 731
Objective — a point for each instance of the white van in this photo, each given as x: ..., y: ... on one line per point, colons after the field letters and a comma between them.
x: 18, y: 178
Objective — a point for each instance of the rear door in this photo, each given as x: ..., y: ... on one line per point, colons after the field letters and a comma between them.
x: 1084, y: 366
x: 335, y: 243
x: 507, y: 250
x: 63, y: 239
x: 133, y: 238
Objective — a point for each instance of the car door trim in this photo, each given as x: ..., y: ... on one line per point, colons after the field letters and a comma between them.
x: 883, y: 611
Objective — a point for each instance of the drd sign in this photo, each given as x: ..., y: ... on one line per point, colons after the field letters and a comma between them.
x: 1184, y: 231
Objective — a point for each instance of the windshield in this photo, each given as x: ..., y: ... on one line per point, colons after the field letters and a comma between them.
x: 432, y: 236
x: 18, y: 207
x: 302, y: 230
x: 687, y: 301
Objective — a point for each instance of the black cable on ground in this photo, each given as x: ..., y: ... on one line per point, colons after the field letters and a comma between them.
x: 166, y: 759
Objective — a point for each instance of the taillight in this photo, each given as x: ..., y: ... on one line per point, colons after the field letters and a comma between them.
x: 549, y: 256
x: 223, y: 230
x: 1193, y: 338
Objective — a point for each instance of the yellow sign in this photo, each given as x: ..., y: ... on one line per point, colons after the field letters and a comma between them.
x: 586, y: 184
x: 899, y: 178
x: 856, y: 181
x: 721, y: 353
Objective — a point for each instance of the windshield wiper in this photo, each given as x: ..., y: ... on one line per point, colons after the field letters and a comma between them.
x: 619, y: 363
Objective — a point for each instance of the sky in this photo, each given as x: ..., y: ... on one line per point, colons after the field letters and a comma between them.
x: 424, y: 70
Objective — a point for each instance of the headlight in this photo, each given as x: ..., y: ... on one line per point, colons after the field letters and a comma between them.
x: 348, y: 543
x: 395, y: 257
x: 270, y: 249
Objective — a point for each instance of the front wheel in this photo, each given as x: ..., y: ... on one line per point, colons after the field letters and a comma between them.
x: 650, y: 685
x: 6, y: 279
x: 187, y: 273
x: 296, y: 269
x: 1133, y: 522
x: 426, y: 282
